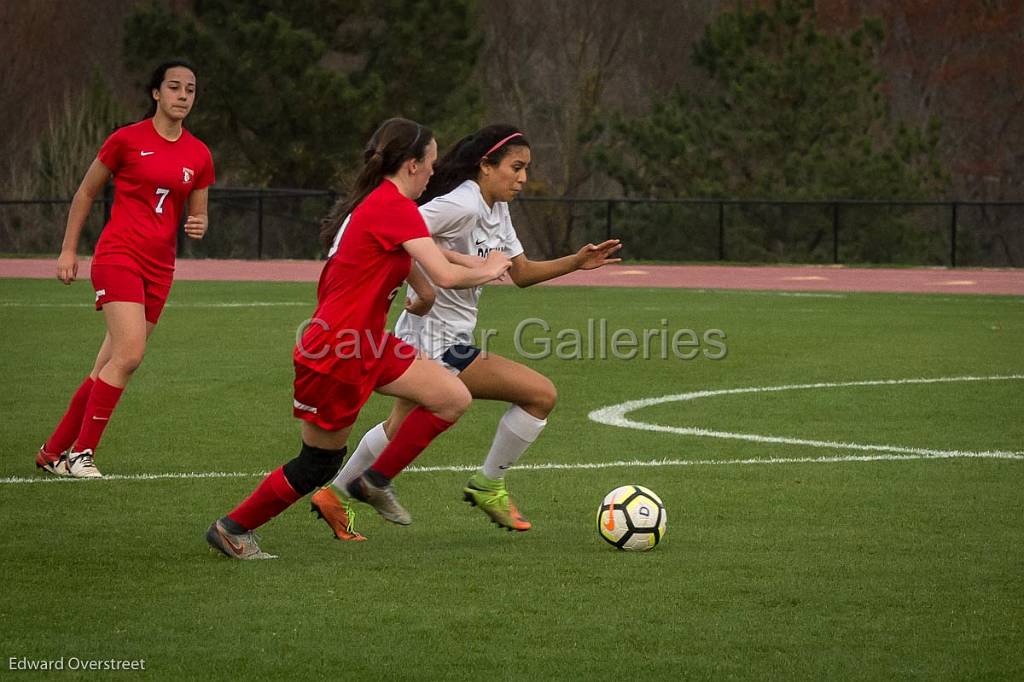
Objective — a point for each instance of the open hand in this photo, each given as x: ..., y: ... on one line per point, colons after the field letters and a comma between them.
x: 594, y: 256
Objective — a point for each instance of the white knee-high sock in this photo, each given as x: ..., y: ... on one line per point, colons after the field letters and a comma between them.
x: 516, y: 431
x: 369, y: 448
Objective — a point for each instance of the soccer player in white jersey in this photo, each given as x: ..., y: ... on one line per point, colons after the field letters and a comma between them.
x: 465, y: 207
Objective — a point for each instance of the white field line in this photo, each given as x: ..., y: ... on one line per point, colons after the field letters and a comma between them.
x: 636, y: 463
x: 615, y: 415
x: 992, y: 298
x: 260, y: 304
x: 170, y: 304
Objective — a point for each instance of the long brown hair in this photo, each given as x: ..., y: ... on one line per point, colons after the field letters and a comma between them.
x: 396, y: 141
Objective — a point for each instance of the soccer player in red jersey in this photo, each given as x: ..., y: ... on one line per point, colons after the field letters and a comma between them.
x: 158, y: 167
x: 344, y: 353
x: 466, y: 207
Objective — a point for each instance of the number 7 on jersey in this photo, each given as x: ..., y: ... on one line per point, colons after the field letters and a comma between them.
x: 162, y: 193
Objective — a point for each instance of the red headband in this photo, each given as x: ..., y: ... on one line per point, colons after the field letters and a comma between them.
x: 500, y: 143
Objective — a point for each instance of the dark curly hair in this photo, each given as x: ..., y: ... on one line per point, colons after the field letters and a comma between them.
x: 462, y: 162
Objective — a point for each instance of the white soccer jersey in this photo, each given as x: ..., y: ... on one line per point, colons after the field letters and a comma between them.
x: 459, y: 221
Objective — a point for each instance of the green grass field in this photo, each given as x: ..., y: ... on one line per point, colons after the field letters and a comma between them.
x: 832, y: 569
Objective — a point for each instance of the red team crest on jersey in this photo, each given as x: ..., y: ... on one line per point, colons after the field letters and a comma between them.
x: 187, y: 174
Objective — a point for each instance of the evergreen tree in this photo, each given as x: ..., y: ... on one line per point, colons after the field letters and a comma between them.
x: 422, y: 54
x: 791, y: 113
x: 289, y: 90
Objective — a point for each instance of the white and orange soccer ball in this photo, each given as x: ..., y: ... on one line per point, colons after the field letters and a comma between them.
x: 632, y: 517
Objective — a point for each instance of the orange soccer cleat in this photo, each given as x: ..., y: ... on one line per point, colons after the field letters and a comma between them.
x: 337, y: 512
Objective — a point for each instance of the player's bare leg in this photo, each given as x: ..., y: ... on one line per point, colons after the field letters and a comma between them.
x: 53, y: 454
x: 488, y: 377
x: 373, y: 443
x: 119, y: 356
x: 532, y: 397
x: 441, y: 399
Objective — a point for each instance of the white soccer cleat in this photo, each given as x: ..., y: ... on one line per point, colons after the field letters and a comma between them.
x: 56, y: 465
x: 80, y: 465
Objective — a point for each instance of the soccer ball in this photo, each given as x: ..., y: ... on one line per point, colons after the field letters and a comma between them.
x: 632, y: 517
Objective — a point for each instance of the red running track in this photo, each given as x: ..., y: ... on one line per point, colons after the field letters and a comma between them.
x: 766, y: 277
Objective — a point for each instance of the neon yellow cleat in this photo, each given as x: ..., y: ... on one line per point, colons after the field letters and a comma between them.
x: 492, y: 498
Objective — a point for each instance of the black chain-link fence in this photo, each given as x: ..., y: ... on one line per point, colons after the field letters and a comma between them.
x: 262, y: 224
x: 244, y: 223
x: 269, y: 223
x: 985, y: 234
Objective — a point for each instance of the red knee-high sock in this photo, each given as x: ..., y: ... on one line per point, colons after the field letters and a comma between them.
x: 271, y: 497
x: 102, y: 401
x: 415, y: 434
x: 71, y: 423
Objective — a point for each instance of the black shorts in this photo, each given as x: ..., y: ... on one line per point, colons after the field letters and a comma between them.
x: 460, y: 356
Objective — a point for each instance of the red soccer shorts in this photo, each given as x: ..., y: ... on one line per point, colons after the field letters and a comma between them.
x: 114, y: 283
x: 334, y: 405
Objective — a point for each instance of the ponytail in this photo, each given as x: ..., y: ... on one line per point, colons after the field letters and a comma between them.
x: 396, y: 141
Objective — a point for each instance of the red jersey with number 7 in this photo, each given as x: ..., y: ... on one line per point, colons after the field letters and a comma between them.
x: 152, y: 180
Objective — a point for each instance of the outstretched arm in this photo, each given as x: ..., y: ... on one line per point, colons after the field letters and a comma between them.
x: 525, y: 272
x: 463, y: 259
x: 449, y: 275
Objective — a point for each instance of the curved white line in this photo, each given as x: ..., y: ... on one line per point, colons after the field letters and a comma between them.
x: 615, y: 415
